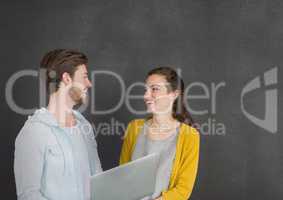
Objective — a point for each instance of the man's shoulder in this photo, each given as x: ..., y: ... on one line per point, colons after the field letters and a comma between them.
x: 34, y: 131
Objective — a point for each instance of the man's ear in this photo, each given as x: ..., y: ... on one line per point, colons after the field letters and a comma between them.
x: 66, y: 78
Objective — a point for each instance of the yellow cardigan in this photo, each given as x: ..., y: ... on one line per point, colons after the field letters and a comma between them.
x: 186, y: 160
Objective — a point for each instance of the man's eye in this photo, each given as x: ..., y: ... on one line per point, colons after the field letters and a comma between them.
x: 155, y: 89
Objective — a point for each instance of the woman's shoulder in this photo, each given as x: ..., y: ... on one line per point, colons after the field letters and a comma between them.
x: 134, y: 127
x: 188, y: 132
x: 136, y: 123
x: 189, y: 139
x: 188, y: 129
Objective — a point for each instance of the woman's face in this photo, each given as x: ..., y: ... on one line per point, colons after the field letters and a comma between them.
x: 157, y: 97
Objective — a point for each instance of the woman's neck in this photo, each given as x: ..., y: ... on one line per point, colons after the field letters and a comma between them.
x: 162, y: 127
x: 162, y: 120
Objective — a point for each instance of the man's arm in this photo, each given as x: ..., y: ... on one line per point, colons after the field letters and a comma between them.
x: 98, y: 168
x: 28, y: 163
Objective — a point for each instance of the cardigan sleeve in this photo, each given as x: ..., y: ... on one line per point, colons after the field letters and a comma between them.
x: 126, y: 151
x: 187, y: 169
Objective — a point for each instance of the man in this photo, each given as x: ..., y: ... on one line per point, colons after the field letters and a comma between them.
x: 55, y: 151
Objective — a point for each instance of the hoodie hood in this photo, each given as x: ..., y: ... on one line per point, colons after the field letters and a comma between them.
x: 42, y: 115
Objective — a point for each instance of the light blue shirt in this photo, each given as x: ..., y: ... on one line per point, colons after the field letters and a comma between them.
x: 54, y: 163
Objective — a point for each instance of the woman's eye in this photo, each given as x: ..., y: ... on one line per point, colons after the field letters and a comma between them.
x: 155, y: 89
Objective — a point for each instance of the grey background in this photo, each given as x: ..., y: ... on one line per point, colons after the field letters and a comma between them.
x: 209, y: 40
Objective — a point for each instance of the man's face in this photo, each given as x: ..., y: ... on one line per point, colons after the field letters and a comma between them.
x: 80, y: 85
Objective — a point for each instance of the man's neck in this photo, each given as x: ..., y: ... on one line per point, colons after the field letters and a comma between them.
x: 62, y: 109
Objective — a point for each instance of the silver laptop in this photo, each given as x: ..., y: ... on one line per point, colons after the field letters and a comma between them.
x: 131, y: 181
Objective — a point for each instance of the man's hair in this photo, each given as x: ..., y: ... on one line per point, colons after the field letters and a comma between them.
x: 56, y: 62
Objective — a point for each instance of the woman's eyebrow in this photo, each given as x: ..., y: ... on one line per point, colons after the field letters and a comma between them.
x: 154, y: 85
x: 158, y: 85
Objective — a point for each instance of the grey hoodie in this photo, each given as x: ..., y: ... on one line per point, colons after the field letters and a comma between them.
x: 45, y: 165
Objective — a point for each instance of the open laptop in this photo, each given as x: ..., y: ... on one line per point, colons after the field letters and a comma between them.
x: 131, y: 181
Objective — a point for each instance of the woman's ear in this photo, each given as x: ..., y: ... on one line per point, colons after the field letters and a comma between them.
x: 176, y: 94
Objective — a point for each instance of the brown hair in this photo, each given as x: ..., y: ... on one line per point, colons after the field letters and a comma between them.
x: 179, y: 110
x: 58, y: 61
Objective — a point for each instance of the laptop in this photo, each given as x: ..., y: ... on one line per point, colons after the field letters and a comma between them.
x: 132, y: 181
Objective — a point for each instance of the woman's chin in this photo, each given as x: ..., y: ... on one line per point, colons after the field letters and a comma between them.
x: 150, y: 110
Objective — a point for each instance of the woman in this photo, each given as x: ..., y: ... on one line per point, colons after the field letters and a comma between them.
x: 169, y: 132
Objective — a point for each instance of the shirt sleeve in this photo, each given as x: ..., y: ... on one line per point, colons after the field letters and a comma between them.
x: 98, y: 168
x: 29, y: 162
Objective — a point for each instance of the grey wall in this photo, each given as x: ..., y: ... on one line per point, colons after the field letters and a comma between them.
x: 210, y: 41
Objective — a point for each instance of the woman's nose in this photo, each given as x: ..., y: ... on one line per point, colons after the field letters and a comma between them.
x: 147, y: 95
x: 88, y: 83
